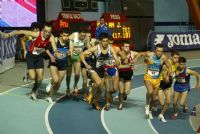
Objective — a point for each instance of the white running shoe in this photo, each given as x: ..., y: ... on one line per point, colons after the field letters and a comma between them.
x: 48, y: 87
x: 161, y: 118
x: 150, y: 116
x: 33, y: 96
x: 147, y: 110
x: 49, y: 99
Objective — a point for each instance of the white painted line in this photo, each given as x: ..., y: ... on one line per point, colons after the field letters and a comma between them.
x: 47, y: 119
x: 2, y: 93
x: 152, y: 127
x: 103, y: 122
x: 46, y: 116
x: 190, y: 120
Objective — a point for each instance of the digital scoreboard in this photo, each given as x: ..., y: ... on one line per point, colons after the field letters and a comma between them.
x: 120, y: 30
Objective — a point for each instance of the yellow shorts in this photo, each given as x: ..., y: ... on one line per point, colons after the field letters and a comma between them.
x: 155, y: 82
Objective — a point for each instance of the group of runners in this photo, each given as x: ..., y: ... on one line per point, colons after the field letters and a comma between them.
x: 104, y: 69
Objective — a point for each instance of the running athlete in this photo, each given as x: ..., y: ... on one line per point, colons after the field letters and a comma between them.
x: 154, y: 61
x: 102, y: 51
x: 91, y: 60
x: 114, y: 78
x: 78, y: 42
x: 25, y: 42
x: 35, y: 63
x: 58, y: 65
x: 165, y: 91
x: 111, y: 76
x: 182, y: 84
x: 126, y: 72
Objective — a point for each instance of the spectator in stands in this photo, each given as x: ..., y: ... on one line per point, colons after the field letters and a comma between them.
x: 102, y: 28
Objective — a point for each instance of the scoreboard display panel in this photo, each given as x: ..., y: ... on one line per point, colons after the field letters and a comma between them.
x: 120, y: 30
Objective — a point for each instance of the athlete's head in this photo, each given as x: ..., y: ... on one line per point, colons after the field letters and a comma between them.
x: 47, y: 30
x: 159, y: 50
x: 102, y: 20
x: 64, y: 34
x: 104, y: 40
x: 175, y: 56
x: 126, y: 46
x: 88, y: 34
x: 181, y: 62
x: 82, y: 34
x: 36, y: 26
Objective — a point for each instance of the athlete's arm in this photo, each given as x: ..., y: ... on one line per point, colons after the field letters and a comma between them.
x: 52, y: 58
x: 88, y: 37
x: 115, y: 57
x: 23, y: 43
x: 87, y: 52
x: 135, y: 56
x: 18, y: 32
x: 196, y: 74
x: 165, y: 75
x: 168, y: 64
x: 71, y: 48
x: 146, y: 55
x: 53, y: 44
x: 71, y: 44
x: 93, y: 42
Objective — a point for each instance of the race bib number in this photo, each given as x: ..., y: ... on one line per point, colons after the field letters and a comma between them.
x: 109, y: 62
x: 63, y: 56
x: 63, y: 53
x: 181, y: 80
x: 153, y: 73
x: 77, y: 51
x: 99, y: 63
x: 38, y: 51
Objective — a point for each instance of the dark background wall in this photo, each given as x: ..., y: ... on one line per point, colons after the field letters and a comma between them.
x: 141, y: 15
x: 145, y: 16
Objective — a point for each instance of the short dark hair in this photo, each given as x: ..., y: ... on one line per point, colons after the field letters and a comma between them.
x: 48, y: 24
x: 174, y: 52
x: 125, y: 42
x: 103, y: 35
x: 182, y: 60
x: 83, y: 31
x: 102, y: 17
x: 35, y: 25
x: 64, y: 30
x: 159, y: 45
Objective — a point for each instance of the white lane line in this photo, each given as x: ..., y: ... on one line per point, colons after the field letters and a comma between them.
x: 152, y: 127
x: 2, y: 93
x: 103, y: 117
x: 46, y: 116
x: 190, y: 120
x: 47, y: 119
x: 103, y: 122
